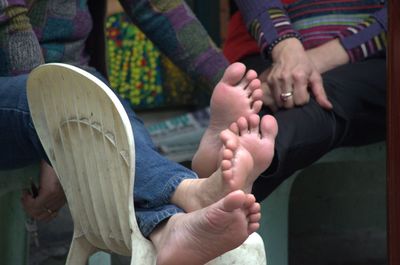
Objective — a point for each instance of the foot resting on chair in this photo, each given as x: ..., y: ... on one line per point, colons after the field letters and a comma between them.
x: 200, y: 236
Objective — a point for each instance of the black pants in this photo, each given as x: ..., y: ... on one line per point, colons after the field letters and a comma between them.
x: 358, y: 94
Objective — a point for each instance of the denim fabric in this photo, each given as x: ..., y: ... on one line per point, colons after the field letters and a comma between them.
x: 156, y: 178
x: 19, y: 143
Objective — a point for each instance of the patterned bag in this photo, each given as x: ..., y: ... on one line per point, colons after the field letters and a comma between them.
x: 139, y: 72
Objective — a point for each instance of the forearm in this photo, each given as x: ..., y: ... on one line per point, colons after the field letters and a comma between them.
x: 20, y: 51
x: 267, y: 22
x: 175, y: 30
x: 328, y: 56
x: 367, y: 38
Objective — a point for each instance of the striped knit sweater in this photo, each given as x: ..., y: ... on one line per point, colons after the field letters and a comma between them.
x: 36, y: 31
x: 360, y: 25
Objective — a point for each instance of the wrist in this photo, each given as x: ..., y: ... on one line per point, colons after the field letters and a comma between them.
x: 291, y: 45
x: 290, y: 39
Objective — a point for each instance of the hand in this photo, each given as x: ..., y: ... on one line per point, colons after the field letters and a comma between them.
x: 328, y: 56
x: 294, y: 73
x: 50, y: 197
x: 268, y: 97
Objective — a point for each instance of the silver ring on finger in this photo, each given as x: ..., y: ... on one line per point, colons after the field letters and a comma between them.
x: 286, y: 95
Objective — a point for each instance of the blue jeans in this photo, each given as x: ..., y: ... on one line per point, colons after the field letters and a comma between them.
x: 156, y: 178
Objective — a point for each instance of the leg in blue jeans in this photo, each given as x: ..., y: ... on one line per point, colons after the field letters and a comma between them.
x: 215, y: 205
x: 156, y: 177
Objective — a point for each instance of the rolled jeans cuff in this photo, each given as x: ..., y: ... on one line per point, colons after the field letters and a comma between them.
x: 171, y: 186
x: 148, y: 219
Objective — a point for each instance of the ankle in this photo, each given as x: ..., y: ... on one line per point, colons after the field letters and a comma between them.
x: 157, y: 235
x: 186, y: 195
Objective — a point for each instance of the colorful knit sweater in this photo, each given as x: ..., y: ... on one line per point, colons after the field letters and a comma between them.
x: 36, y: 31
x: 360, y: 25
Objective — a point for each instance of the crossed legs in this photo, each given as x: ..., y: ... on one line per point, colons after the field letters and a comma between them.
x: 235, y: 149
x: 221, y: 213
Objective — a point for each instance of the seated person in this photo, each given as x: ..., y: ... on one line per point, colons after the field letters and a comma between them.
x: 323, y: 72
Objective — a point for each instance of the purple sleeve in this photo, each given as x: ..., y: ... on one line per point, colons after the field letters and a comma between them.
x: 367, y: 38
x: 267, y: 22
x: 172, y: 26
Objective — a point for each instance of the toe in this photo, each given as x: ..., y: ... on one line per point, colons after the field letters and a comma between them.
x: 234, y: 74
x: 243, y: 126
x: 226, y: 165
x: 254, y: 121
x: 255, y: 208
x: 254, y: 85
x: 253, y: 227
x: 234, y: 128
x: 250, y: 76
x: 257, y: 105
x: 228, y: 154
x: 250, y: 201
x: 269, y: 127
x: 251, y: 87
x: 254, y: 218
x: 227, y: 175
x: 229, y: 139
x: 257, y: 94
x: 234, y: 200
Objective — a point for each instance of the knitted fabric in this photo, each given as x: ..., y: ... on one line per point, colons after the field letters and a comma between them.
x: 360, y: 25
x: 56, y: 30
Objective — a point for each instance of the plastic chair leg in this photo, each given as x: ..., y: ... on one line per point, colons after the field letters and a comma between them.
x: 100, y: 258
x: 80, y: 251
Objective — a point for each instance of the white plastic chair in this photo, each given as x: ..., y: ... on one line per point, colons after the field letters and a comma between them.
x: 88, y: 138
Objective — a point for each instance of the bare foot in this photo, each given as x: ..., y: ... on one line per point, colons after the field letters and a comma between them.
x: 200, y: 236
x: 247, y: 151
x: 237, y: 94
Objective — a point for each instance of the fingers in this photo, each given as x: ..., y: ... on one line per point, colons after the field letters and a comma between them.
x: 28, y: 203
x: 286, y: 95
x: 317, y: 88
x: 276, y: 81
x: 50, y: 197
x: 55, y: 204
x: 289, y: 82
x: 301, y: 96
x: 37, y: 209
x: 293, y: 76
x: 287, y: 89
x: 268, y: 98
